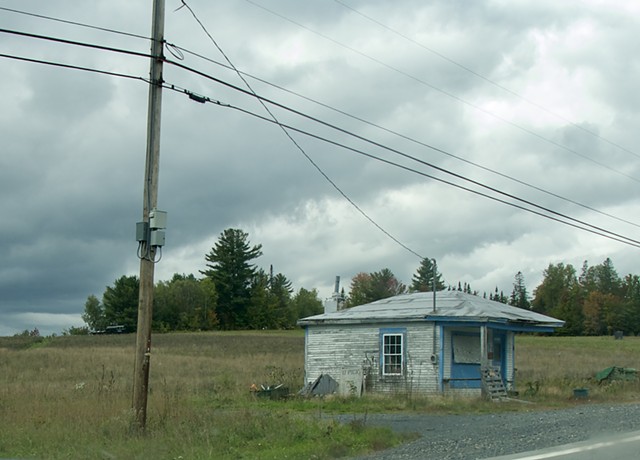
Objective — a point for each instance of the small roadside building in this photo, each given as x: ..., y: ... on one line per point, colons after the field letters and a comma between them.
x: 450, y: 342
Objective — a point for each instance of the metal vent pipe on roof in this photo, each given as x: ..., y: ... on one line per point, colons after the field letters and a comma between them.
x: 433, y: 283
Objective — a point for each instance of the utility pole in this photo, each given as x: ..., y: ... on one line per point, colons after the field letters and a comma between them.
x: 150, y: 200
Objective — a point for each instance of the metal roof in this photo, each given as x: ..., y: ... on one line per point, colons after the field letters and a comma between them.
x: 451, y: 306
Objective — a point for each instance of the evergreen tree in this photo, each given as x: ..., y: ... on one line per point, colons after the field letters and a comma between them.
x: 423, y: 279
x: 561, y: 295
x: 120, y: 302
x: 282, y: 315
x: 519, y: 297
x: 605, y: 307
x: 385, y: 284
x: 259, y: 315
x: 230, y: 269
x: 499, y: 296
x: 555, y: 288
x: 608, y: 281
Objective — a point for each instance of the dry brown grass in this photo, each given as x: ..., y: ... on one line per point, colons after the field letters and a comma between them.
x: 70, y: 397
x: 557, y: 365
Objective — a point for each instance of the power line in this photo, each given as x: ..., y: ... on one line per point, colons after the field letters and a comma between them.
x: 582, y: 225
x: 75, y: 43
x: 606, y: 233
x: 119, y: 50
x: 73, y: 67
x: 369, y: 141
x: 75, y: 23
x: 295, y: 143
x: 390, y: 149
x: 253, y: 94
x: 578, y: 224
x: 488, y: 80
x: 446, y: 93
x: 408, y: 138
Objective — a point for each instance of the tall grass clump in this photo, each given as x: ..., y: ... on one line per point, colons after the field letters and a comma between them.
x: 70, y: 397
x: 550, y: 368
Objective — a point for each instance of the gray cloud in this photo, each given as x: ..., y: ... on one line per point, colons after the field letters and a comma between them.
x: 73, y: 144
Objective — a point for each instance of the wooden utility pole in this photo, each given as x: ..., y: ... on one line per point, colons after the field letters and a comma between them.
x: 150, y: 200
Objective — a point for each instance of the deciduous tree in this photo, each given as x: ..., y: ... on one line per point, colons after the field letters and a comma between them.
x: 94, y: 314
x: 369, y: 287
x: 184, y: 303
x: 306, y: 303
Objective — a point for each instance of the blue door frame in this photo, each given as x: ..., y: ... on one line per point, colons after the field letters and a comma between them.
x: 467, y: 374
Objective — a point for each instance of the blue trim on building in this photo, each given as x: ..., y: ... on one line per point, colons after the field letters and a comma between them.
x: 441, y: 360
x: 492, y: 325
x: 464, y: 374
x: 391, y: 331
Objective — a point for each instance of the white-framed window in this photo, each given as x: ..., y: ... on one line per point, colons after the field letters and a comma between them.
x: 392, y: 351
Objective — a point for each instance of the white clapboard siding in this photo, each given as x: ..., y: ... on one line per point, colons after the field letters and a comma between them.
x: 331, y: 348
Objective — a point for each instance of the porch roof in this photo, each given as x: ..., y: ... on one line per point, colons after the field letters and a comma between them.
x: 451, y: 306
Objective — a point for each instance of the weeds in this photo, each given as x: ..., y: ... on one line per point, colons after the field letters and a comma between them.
x: 70, y: 397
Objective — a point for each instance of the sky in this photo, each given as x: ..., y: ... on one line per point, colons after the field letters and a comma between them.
x: 530, y: 103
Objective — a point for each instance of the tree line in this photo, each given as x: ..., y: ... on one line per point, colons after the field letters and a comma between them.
x: 233, y: 293
x: 595, y: 301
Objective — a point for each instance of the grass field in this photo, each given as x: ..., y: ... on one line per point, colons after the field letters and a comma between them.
x: 70, y: 397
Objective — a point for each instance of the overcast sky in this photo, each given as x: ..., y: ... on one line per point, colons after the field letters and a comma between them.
x: 536, y: 99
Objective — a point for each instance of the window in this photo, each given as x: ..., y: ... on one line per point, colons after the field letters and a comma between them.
x: 466, y: 348
x: 392, y: 354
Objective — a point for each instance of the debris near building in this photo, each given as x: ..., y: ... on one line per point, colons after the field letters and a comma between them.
x: 611, y: 374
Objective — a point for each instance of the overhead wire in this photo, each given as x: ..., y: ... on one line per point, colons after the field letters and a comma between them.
x: 448, y: 94
x: 487, y: 79
x: 375, y: 21
x: 382, y: 146
x: 75, y: 23
x: 408, y: 138
x: 177, y: 54
x: 296, y: 144
x: 75, y: 43
x: 578, y: 224
x: 593, y: 229
x: 74, y: 67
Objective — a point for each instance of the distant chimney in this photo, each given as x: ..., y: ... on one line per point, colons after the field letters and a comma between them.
x: 333, y: 303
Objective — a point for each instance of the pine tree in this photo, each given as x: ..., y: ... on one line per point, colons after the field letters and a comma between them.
x: 519, y: 297
x: 120, y: 302
x: 230, y: 269
x: 422, y: 281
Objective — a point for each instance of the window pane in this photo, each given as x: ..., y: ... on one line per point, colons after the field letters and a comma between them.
x: 392, y: 354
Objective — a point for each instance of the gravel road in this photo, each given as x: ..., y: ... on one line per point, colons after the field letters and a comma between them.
x: 462, y: 437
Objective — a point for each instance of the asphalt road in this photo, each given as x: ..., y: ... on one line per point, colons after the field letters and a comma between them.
x: 620, y: 447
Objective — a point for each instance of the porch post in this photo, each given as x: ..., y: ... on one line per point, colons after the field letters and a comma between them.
x: 484, y: 357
